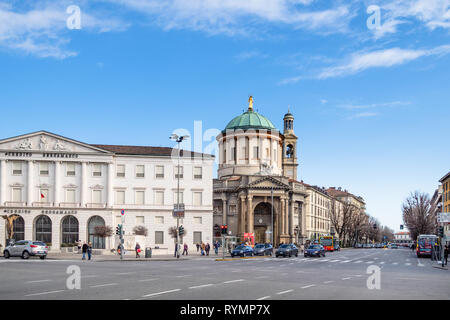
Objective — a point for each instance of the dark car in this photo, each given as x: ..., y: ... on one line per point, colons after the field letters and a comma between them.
x: 315, y: 250
x: 287, y: 250
x: 242, y: 251
x: 337, y: 247
x: 262, y: 249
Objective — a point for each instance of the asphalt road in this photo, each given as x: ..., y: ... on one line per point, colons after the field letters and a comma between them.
x: 340, y: 275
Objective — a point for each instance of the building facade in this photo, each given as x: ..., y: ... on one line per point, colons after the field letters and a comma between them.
x: 402, y: 237
x: 63, y: 190
x: 445, y: 194
x: 317, y: 212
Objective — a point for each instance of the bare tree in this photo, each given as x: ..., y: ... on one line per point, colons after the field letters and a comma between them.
x: 340, y: 217
x: 418, y: 214
x: 140, y: 231
x: 103, y: 231
x: 10, y: 224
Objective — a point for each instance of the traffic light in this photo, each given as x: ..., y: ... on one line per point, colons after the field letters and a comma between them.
x: 225, y: 229
x: 181, y: 230
x: 374, y: 225
x: 401, y: 227
x: 119, y: 229
x: 441, y: 231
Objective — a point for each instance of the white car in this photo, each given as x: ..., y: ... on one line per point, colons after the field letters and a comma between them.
x: 25, y: 249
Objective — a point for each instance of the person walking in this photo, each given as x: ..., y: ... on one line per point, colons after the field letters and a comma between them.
x: 446, y: 249
x: 84, y: 250
x: 203, y: 247
x: 79, y: 246
x: 207, y: 248
x: 89, y: 250
x: 216, y: 247
x: 198, y: 246
x: 185, y: 248
x: 138, y: 250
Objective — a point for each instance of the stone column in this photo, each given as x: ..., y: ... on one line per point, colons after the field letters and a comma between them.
x: 224, y: 212
x: 282, y: 216
x: 2, y: 182
x: 292, y: 223
x: 250, y: 216
x: 286, y: 216
x: 83, y: 185
x: 57, y: 182
x: 110, y: 186
x: 30, y: 197
x: 242, y: 220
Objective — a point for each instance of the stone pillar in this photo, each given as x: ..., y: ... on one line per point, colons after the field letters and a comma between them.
x: 282, y: 216
x: 57, y: 182
x: 224, y: 212
x: 2, y: 182
x: 291, y: 222
x: 83, y: 185
x: 242, y: 219
x: 30, y: 197
x: 250, y: 215
x: 286, y: 216
x: 110, y: 195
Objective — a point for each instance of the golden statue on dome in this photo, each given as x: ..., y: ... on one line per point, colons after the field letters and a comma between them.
x: 250, y: 103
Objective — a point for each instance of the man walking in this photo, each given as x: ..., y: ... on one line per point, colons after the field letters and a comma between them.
x: 198, y: 246
x: 207, y: 248
x: 216, y: 247
x: 89, y: 250
x: 84, y: 250
x: 446, y: 249
x: 138, y: 249
x: 185, y: 249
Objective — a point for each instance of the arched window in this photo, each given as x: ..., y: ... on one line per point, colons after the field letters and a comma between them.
x: 97, y: 241
x: 69, y: 227
x: 19, y: 229
x: 43, y: 229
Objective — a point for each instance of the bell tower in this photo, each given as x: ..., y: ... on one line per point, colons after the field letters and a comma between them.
x: 290, y: 161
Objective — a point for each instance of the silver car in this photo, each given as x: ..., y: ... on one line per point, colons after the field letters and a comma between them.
x: 25, y: 249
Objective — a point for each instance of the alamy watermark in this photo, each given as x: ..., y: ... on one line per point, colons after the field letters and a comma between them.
x: 374, y: 21
x: 73, y: 282
x: 74, y: 20
x: 374, y: 280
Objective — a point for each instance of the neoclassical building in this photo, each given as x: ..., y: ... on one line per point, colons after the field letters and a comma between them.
x: 257, y: 163
x: 61, y: 189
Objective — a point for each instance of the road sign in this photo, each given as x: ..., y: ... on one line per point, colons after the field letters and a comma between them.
x: 443, y: 217
x: 122, y: 212
x: 178, y: 210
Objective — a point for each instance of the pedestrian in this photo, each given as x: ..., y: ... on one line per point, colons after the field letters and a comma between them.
x: 84, y: 251
x: 203, y: 247
x: 216, y: 247
x: 138, y: 250
x: 207, y: 248
x: 185, y: 249
x: 446, y: 249
x: 198, y: 246
x: 89, y: 250
x: 118, y: 249
x: 176, y: 249
x: 79, y: 246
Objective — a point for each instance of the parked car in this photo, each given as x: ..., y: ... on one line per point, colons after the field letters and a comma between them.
x: 25, y: 249
x: 287, y: 250
x: 393, y: 246
x: 242, y: 251
x: 262, y: 249
x: 315, y: 250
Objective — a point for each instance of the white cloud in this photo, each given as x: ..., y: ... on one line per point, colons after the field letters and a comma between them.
x: 246, y: 55
x: 364, y: 115
x: 361, y: 61
x: 374, y: 105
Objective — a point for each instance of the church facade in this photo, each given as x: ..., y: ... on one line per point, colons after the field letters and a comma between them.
x: 256, y: 193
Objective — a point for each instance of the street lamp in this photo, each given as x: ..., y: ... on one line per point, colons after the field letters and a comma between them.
x: 178, y: 139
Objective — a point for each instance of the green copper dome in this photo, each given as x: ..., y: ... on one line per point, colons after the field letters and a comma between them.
x: 250, y: 120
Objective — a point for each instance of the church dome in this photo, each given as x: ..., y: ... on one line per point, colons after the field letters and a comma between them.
x: 250, y: 120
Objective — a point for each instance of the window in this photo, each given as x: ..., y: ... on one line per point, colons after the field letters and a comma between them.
x: 267, y: 153
x: 70, y: 196
x: 17, y: 168
x: 97, y: 170
x: 176, y: 172
x: 43, y: 229
x: 175, y: 199
x: 140, y: 171
x: 233, y: 154
x: 197, y: 172
x: 43, y: 196
x: 69, y: 229
x: 244, y: 154
x: 16, y: 195
x: 96, y: 196
x: 70, y: 169
x: 255, y: 152
x: 120, y: 171
x: 140, y: 220
x: 197, y: 220
x: 140, y: 197
x: 159, y: 172
x: 98, y: 242
x: 120, y: 197
x: 159, y: 237
x: 197, y: 198
x: 159, y: 220
x: 159, y: 197
x: 43, y: 168
x: 19, y: 229
x: 197, y: 237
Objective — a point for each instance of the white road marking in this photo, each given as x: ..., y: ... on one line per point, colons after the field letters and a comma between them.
x: 158, y: 293
x: 359, y: 261
x: 395, y: 263
x: 145, y: 280
x: 326, y: 282
x: 187, y: 275
x: 90, y: 276
x: 37, y: 281
x: 231, y: 281
x: 369, y: 262
x: 306, y: 287
x: 382, y: 262
x: 287, y: 291
x: 201, y: 286
x: 407, y: 264
x: 335, y: 260
x: 346, y: 261
x: 124, y: 273
x: 104, y: 285
x: 346, y: 278
x: 42, y: 293
x: 263, y: 298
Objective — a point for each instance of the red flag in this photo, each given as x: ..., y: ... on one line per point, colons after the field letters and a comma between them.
x: 42, y: 196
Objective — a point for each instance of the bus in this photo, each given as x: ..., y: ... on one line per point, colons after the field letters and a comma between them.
x: 327, y: 243
x: 424, y: 244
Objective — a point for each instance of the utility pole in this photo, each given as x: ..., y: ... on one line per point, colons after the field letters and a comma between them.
x: 271, y: 236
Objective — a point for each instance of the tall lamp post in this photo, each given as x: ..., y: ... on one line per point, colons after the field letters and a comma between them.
x: 178, y: 139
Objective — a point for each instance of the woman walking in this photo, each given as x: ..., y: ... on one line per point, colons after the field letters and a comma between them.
x: 89, y: 250
x: 138, y: 250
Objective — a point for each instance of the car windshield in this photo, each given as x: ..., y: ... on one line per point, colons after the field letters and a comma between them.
x: 38, y: 243
x: 314, y: 247
x: 259, y: 246
x: 284, y: 246
x: 240, y: 247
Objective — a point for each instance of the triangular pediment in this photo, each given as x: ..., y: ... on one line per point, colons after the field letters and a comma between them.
x: 43, y: 141
x: 268, y: 182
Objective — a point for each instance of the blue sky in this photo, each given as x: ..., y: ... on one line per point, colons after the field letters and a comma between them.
x: 371, y: 106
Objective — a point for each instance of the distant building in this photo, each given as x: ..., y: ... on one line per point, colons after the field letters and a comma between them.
x: 402, y: 237
x: 446, y: 199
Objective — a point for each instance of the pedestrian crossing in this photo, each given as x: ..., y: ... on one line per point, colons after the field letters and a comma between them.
x: 311, y: 260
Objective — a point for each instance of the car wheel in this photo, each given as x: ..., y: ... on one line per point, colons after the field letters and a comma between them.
x: 6, y: 254
x: 42, y: 257
x: 25, y: 255
x: 296, y: 254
